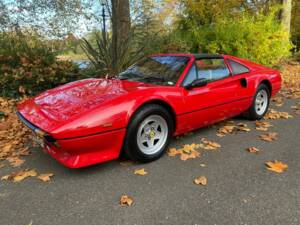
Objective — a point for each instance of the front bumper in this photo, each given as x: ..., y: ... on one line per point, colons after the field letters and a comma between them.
x: 86, y: 151
x: 83, y: 151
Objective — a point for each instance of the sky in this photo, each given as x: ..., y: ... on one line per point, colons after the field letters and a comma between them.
x: 46, y: 20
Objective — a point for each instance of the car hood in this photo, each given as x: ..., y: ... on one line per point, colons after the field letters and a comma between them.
x: 57, y: 106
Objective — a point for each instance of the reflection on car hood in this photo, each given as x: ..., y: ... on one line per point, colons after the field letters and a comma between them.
x: 58, y: 105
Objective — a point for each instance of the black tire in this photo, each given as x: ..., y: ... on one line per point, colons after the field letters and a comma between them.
x: 131, y: 148
x: 252, y: 113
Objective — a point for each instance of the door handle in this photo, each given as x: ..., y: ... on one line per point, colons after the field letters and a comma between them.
x: 244, y: 82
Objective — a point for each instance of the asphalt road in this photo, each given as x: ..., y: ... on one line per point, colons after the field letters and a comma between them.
x: 239, y: 190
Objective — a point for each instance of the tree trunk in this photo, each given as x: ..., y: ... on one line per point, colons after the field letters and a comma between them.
x: 285, y: 15
x: 120, y: 26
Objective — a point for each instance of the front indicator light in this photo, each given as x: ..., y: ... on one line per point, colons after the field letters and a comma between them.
x: 40, y: 133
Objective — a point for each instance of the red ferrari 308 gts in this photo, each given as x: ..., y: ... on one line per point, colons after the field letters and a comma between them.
x: 137, y: 112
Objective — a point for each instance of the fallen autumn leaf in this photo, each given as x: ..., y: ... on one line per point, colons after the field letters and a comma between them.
x: 21, y: 175
x: 209, y: 145
x: 126, y: 200
x: 253, y: 150
x: 45, y: 177
x: 140, y: 172
x: 276, y: 166
x: 269, y: 137
x: 202, y: 180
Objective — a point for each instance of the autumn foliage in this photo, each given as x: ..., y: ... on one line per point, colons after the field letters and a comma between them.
x: 28, y: 66
x: 14, y: 135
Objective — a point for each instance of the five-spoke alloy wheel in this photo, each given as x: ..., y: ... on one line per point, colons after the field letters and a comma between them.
x: 152, y: 134
x: 260, y: 103
x: 148, y: 133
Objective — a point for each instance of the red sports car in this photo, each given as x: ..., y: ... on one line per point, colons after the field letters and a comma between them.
x: 137, y: 112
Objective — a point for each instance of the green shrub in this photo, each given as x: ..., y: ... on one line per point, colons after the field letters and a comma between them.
x: 99, y: 49
x: 260, y: 38
x: 296, y: 56
x: 28, y: 66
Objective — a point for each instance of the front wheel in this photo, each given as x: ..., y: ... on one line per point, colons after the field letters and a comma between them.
x: 148, y: 133
x: 260, y: 103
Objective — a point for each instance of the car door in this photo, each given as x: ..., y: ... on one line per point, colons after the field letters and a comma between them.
x: 216, y: 101
x: 241, y: 77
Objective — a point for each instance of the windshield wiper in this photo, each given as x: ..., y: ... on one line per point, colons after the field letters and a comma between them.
x: 129, y: 75
x: 122, y: 78
x: 154, y: 78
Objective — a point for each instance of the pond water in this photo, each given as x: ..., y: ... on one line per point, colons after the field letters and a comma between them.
x: 82, y: 64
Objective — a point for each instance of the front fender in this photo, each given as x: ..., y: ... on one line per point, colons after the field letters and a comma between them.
x: 103, y: 119
x: 172, y: 98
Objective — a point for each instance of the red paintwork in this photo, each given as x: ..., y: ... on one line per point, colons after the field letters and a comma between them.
x: 89, y: 117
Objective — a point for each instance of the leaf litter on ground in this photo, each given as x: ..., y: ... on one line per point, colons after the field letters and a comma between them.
x: 278, y: 100
x: 231, y: 127
x: 296, y: 109
x: 269, y: 137
x: 209, y: 145
x: 21, y: 175
x: 188, y: 151
x: 262, y: 125
x: 14, y: 136
x: 275, y: 115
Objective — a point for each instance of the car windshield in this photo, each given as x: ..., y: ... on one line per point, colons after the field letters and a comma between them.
x: 162, y: 70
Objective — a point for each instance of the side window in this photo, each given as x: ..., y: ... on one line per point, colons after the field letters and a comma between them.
x: 191, y: 76
x: 237, y: 68
x: 212, y: 69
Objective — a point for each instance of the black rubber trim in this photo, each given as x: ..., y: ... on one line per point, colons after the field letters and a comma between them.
x: 26, y: 122
x: 208, y: 56
x: 49, y: 138
x: 241, y: 99
x: 32, y: 127
x: 103, y: 132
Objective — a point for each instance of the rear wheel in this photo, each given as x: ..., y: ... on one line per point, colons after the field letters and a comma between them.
x: 260, y: 103
x: 148, y: 133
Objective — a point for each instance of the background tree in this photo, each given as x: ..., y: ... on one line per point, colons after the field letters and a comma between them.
x: 295, y: 24
x: 232, y: 27
x: 118, y: 47
x: 121, y: 26
x: 286, y: 13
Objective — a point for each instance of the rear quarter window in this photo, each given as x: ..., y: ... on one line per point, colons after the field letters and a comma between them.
x: 237, y: 68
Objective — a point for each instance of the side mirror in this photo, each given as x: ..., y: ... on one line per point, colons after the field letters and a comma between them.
x: 197, y: 83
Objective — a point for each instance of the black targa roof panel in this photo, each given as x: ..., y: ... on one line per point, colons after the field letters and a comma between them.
x: 208, y: 56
